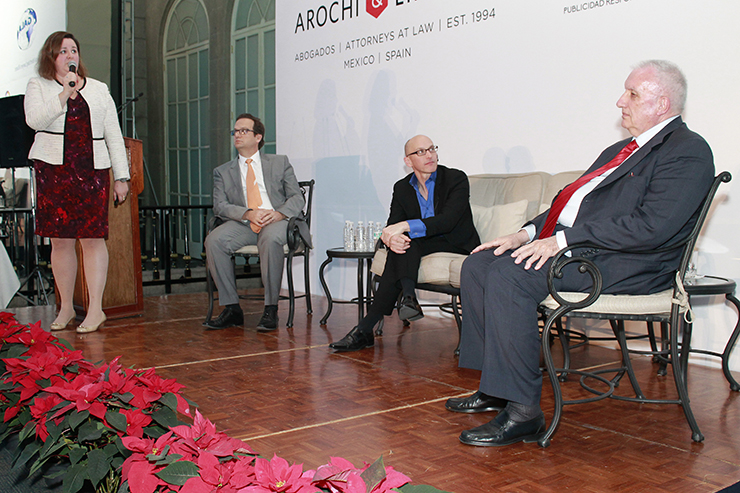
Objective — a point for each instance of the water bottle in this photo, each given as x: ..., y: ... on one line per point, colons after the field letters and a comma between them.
x: 349, y: 237
x: 369, y: 235
x: 360, y: 237
x: 378, y: 231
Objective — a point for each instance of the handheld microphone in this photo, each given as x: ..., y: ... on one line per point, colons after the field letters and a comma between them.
x: 72, y: 65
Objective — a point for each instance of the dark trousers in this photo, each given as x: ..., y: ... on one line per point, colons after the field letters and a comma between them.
x: 500, y: 335
x: 406, y: 265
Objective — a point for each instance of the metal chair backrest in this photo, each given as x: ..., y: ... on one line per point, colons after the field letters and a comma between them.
x: 723, y: 177
x: 307, y: 191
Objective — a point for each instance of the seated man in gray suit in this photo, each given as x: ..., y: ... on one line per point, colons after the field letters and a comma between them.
x: 641, y: 194
x: 254, y: 194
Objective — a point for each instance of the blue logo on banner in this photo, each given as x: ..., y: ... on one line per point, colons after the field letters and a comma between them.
x: 25, y: 28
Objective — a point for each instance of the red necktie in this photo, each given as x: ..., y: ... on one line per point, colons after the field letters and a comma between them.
x: 567, y: 193
x: 254, y: 199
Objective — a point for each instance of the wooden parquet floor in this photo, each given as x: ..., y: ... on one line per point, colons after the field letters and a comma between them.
x: 286, y: 393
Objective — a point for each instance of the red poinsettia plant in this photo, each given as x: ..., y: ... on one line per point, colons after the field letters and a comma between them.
x: 118, y: 430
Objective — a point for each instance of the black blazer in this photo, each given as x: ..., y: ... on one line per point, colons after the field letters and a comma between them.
x: 650, y: 201
x: 452, y: 216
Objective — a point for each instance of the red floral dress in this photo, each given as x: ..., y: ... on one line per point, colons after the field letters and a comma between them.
x: 72, y: 198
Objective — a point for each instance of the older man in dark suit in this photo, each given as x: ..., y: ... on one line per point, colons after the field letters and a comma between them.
x: 641, y: 194
x: 430, y: 212
x: 253, y: 194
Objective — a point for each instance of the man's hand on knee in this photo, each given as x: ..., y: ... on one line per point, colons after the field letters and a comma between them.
x: 504, y: 243
x: 537, y: 251
x: 399, y: 244
x: 394, y: 230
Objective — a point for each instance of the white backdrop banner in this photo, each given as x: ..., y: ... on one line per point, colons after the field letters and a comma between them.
x: 24, y: 26
x: 502, y: 86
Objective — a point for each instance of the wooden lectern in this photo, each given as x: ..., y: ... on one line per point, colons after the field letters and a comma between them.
x: 123, y: 296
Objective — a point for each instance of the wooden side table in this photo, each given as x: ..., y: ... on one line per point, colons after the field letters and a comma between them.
x: 364, y: 291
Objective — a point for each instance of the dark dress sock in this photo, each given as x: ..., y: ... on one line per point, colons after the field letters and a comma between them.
x: 369, y: 321
x: 520, y: 413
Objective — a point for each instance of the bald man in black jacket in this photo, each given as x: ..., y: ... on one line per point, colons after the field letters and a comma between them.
x: 430, y: 212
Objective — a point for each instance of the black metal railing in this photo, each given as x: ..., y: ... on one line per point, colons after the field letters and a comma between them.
x: 172, y: 239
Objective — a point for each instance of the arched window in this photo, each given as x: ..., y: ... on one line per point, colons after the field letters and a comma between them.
x: 253, y: 64
x: 187, y: 112
x: 187, y: 117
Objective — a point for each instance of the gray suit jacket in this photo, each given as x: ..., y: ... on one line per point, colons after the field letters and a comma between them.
x: 280, y: 181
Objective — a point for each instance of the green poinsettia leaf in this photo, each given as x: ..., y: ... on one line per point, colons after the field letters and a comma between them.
x: 13, y: 398
x: 3, y: 428
x: 116, y: 463
x: 38, y: 464
x: 5, y: 434
x: 155, y: 431
x: 90, y: 431
x: 66, y: 344
x: 374, y: 474
x: 55, y: 473
x: 116, y: 420
x: 25, y: 416
x: 27, y: 431
x: 27, y: 453
x: 419, y: 488
x: 13, y: 351
x: 76, y: 454
x: 169, y: 459
x: 165, y: 417
x: 111, y: 450
x: 178, y: 473
x: 57, y: 408
x: 98, y: 466
x: 50, y: 447
x: 123, y: 488
x: 125, y: 397
x: 74, y: 479
x: 77, y: 417
x: 121, y: 448
x: 55, y: 430
x: 169, y: 400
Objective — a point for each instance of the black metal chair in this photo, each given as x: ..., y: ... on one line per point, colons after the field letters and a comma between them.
x: 667, y: 307
x: 295, y: 247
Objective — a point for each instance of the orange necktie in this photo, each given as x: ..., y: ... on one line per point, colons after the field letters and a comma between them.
x: 254, y: 199
x: 562, y: 199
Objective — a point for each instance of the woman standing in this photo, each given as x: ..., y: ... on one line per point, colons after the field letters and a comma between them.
x: 77, y: 139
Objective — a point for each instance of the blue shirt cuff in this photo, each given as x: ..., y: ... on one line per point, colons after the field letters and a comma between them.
x: 417, y: 228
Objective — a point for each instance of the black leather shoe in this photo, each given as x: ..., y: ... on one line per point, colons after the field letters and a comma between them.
x: 269, y: 320
x: 476, y: 403
x: 501, y: 430
x: 229, y: 317
x: 354, y: 341
x: 409, y: 309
